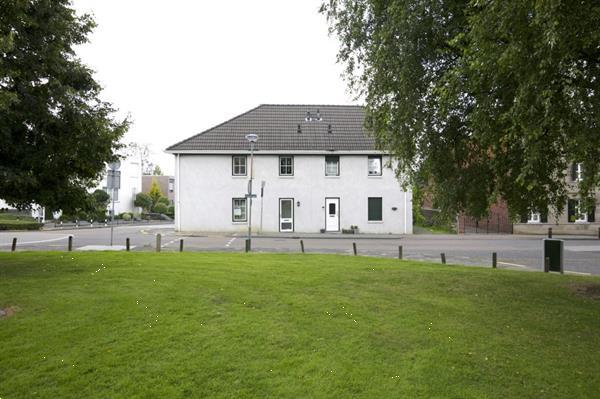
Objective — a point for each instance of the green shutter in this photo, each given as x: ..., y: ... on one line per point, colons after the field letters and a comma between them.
x: 375, y: 209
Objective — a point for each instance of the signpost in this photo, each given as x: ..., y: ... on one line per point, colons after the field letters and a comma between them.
x: 113, y: 182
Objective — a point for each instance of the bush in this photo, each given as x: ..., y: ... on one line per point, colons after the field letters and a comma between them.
x: 19, y: 225
x: 160, y: 208
x: 127, y: 216
x: 164, y: 200
x: 143, y: 201
x: 171, y: 210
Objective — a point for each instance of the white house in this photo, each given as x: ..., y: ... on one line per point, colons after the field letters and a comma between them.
x: 315, y: 168
x: 131, y: 184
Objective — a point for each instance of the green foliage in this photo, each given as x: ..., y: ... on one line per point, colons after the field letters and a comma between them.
x: 155, y: 193
x: 164, y: 200
x: 214, y: 325
x: 143, y: 201
x: 485, y: 99
x: 160, y: 208
x: 56, y: 132
x: 19, y: 225
x: 157, y: 171
x: 171, y: 210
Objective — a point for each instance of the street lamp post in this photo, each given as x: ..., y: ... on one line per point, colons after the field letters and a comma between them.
x: 252, y: 138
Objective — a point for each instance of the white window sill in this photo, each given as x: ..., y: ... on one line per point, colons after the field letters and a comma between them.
x: 375, y: 222
x: 239, y: 222
x: 332, y: 177
x: 239, y: 177
x: 375, y: 176
x: 533, y: 222
x: 286, y: 177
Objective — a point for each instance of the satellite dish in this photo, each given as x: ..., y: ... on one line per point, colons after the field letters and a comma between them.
x: 115, y: 165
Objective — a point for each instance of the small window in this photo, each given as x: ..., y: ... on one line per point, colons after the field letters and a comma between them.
x: 375, y: 165
x: 375, y: 209
x: 579, y: 172
x: 534, y: 217
x: 239, y: 210
x: 332, y: 165
x: 286, y: 166
x: 239, y: 165
x: 171, y: 185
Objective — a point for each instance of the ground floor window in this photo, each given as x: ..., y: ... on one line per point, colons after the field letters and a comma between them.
x: 239, y: 210
x: 577, y: 212
x: 375, y: 209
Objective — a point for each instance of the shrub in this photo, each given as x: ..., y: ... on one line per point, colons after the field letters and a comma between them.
x: 19, y: 225
x: 143, y: 200
x: 127, y: 216
x: 171, y: 210
x: 164, y: 200
x: 160, y: 208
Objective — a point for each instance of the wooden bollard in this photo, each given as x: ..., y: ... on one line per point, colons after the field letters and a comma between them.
x: 14, y: 245
x: 181, y: 245
x: 127, y: 246
x: 443, y: 255
x: 248, y: 244
x: 302, y: 245
x: 399, y: 251
x: 549, y: 232
x: 354, y: 248
x: 546, y: 265
x: 494, y: 260
x: 158, y: 242
x: 70, y: 244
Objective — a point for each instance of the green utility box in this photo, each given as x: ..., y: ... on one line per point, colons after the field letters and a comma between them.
x: 553, y: 250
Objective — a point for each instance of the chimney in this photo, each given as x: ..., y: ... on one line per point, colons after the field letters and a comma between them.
x: 329, y: 129
x: 299, y: 128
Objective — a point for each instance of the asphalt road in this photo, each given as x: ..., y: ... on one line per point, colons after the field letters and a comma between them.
x: 582, y: 255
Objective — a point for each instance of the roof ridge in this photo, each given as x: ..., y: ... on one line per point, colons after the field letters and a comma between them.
x: 214, y: 127
x: 312, y: 105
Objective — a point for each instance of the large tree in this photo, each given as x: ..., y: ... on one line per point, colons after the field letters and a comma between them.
x: 479, y: 99
x: 56, y: 134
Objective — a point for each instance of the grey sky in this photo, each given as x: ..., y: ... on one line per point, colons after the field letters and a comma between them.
x: 179, y: 67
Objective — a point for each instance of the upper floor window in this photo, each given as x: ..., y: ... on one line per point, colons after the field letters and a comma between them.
x: 332, y: 165
x: 577, y: 171
x: 374, y: 165
x: 239, y: 165
x: 286, y: 165
x: 534, y: 217
x: 577, y: 213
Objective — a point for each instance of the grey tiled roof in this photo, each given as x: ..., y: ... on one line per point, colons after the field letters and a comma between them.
x: 277, y: 128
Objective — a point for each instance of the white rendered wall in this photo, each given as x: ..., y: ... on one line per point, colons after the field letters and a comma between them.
x: 205, y: 188
x: 131, y: 184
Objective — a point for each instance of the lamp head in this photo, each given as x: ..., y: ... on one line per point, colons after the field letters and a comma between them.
x: 252, y: 138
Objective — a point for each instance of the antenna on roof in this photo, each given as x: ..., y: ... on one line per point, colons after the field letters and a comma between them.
x: 299, y: 128
x: 329, y: 129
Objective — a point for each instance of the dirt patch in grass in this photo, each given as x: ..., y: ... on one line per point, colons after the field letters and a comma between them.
x: 587, y: 290
x: 8, y: 311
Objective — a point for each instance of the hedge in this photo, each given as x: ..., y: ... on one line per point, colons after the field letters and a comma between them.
x: 19, y: 225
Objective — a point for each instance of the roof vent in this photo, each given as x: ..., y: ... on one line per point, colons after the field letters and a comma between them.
x: 329, y: 129
x: 319, y: 115
x: 308, y: 117
x: 299, y: 128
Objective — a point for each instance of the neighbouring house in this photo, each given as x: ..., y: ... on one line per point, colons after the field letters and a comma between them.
x: 166, y: 184
x: 574, y: 219
x: 131, y: 184
x: 315, y: 169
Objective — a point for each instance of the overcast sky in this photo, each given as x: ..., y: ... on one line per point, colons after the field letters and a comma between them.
x: 179, y: 67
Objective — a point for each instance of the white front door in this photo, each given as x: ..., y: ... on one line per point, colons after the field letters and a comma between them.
x: 286, y: 214
x: 332, y: 214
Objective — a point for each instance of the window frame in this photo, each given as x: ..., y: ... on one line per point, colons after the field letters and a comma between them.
x: 291, y: 165
x: 338, y: 165
x: 368, y: 209
x: 578, y: 172
x: 233, y: 157
x: 233, y: 219
x: 534, y: 218
x: 369, y: 165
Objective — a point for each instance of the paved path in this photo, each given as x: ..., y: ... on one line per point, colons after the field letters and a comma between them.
x: 582, y: 255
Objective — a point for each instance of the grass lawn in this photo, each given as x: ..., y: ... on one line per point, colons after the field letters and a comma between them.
x: 175, y: 325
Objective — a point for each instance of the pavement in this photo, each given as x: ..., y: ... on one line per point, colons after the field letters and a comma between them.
x: 582, y: 254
